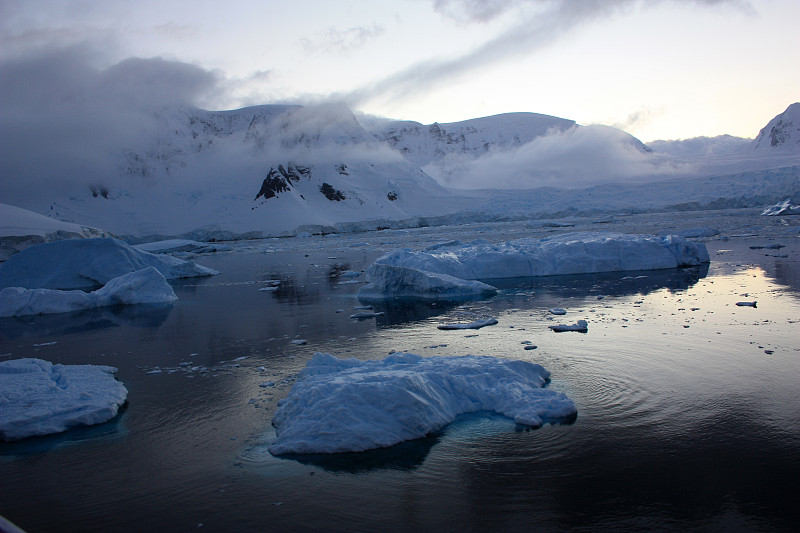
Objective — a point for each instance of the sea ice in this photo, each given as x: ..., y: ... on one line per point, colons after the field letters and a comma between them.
x: 348, y: 405
x: 581, y: 326
x: 146, y: 286
x: 471, y: 325
x: 39, y: 398
x: 80, y: 263
x: 782, y: 208
x: 407, y: 273
x: 389, y: 281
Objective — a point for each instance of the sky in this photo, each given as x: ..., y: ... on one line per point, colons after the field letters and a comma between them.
x: 659, y: 69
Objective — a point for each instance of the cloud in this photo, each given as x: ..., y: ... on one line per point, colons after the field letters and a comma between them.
x: 540, y: 24
x: 334, y: 40
x: 64, y: 120
x: 577, y: 157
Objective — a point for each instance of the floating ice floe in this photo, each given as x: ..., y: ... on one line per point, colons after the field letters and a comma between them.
x: 471, y: 325
x: 389, y: 282
x: 173, y: 246
x: 746, y: 304
x: 581, y: 326
x: 782, y: 208
x: 366, y: 314
x: 80, y: 263
x: 445, y: 272
x: 347, y: 405
x: 558, y: 311
x: 146, y: 286
x: 39, y: 398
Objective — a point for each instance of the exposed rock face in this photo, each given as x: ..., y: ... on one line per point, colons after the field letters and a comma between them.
x: 331, y: 193
x: 280, y: 180
x: 782, y: 133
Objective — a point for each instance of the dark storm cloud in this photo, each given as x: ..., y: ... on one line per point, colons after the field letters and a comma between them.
x: 64, y: 121
x: 542, y: 23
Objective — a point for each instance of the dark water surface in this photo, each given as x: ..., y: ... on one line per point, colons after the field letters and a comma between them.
x: 688, y: 406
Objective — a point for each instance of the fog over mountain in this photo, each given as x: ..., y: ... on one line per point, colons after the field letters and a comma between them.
x: 124, y: 149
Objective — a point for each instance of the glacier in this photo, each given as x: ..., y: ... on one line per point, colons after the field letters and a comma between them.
x: 85, y: 263
x: 40, y: 398
x: 146, y: 286
x: 394, y: 274
x: 347, y: 405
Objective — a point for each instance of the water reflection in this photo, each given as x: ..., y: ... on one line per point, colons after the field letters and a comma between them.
x: 617, y: 284
x: 114, y: 428
x: 141, y: 315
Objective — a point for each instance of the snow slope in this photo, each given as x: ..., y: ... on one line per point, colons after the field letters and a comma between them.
x: 20, y: 228
x: 263, y: 170
x: 782, y: 133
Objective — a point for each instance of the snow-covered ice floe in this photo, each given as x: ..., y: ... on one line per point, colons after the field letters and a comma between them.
x: 389, y: 282
x: 348, y: 405
x: 580, y: 326
x: 445, y: 272
x: 783, y: 208
x: 478, y: 324
x: 146, y: 286
x: 175, y: 246
x: 80, y: 263
x: 40, y: 398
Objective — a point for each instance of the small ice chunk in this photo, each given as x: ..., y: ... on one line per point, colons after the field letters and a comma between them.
x: 558, y: 311
x: 471, y: 325
x: 40, y: 398
x: 366, y: 314
x: 581, y: 326
x: 746, y: 304
x: 299, y: 342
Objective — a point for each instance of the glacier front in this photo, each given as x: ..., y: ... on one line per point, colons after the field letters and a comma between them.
x: 572, y: 253
x: 348, y: 405
x: 40, y: 398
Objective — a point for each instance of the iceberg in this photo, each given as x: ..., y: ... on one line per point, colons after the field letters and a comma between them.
x: 347, y: 405
x: 40, y: 398
x: 782, y: 208
x: 146, y: 286
x: 81, y: 263
x: 408, y: 273
x: 398, y: 282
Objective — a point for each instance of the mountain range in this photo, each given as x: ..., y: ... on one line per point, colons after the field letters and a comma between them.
x: 282, y: 169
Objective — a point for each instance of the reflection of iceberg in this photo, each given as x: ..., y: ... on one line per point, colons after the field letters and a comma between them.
x: 143, y: 315
x: 406, y: 455
x: 341, y: 405
x: 576, y: 253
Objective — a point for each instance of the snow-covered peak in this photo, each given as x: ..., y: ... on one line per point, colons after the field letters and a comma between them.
x: 423, y: 144
x: 782, y: 133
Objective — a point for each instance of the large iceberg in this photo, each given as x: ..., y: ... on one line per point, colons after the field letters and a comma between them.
x: 39, y: 398
x: 81, y: 263
x: 572, y: 253
x: 341, y: 405
x: 146, y: 286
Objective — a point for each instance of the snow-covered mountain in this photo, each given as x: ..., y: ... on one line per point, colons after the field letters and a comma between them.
x: 513, y: 150
x: 782, y: 133
x: 282, y: 169
x: 261, y: 170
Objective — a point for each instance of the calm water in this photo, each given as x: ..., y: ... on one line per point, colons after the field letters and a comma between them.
x: 688, y: 406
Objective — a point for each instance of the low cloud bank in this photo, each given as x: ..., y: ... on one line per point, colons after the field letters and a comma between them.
x: 578, y: 157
